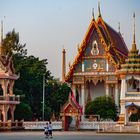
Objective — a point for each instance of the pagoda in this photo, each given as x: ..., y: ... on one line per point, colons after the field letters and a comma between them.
x: 100, y: 55
x: 8, y: 100
x: 130, y: 83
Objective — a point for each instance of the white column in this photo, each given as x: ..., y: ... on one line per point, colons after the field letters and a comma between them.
x: 123, y: 89
x: 74, y: 90
x: 126, y: 117
x: 83, y: 99
x: 116, y: 95
x: 107, y: 89
x: 107, y: 65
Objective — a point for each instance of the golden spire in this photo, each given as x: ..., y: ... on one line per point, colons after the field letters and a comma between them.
x: 134, y: 40
x: 93, y: 13
x: 99, y: 13
x: 134, y: 30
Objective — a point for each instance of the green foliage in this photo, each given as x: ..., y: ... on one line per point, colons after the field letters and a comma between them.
x: 30, y: 83
x: 103, y: 106
x: 11, y: 44
x: 23, y: 111
x: 56, y: 96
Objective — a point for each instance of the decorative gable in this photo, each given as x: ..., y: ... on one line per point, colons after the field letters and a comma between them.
x: 99, y: 51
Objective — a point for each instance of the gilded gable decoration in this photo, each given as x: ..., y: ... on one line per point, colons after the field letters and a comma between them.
x: 94, y: 50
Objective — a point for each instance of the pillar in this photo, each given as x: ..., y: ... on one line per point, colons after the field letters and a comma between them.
x: 63, y: 65
x: 12, y: 109
x: 122, y: 116
x: 123, y: 87
x: 11, y: 84
x: 83, y: 99
x: 4, y: 112
x: 107, y: 89
x: 4, y: 86
x: 74, y: 89
x: 116, y: 95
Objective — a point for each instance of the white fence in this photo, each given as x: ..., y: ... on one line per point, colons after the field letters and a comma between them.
x: 103, y: 126
x: 96, y: 125
x: 40, y: 125
x: 58, y: 125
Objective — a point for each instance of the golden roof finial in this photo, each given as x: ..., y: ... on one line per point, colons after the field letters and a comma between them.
x: 134, y: 30
x: 93, y: 13
x: 99, y: 12
x: 134, y: 48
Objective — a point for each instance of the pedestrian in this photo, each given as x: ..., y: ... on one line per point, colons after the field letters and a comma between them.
x: 46, y: 130
x: 50, y: 129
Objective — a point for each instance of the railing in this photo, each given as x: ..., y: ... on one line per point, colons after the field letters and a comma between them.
x: 9, y: 98
x: 57, y: 125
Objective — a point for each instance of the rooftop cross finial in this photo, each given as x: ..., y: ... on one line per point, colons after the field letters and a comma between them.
x: 99, y: 12
x: 93, y: 13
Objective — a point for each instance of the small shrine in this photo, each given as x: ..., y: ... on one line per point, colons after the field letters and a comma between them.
x: 8, y: 100
x: 70, y: 111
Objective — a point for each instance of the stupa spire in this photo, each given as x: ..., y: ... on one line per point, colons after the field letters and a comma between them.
x: 134, y: 48
x: 99, y: 12
x: 93, y: 13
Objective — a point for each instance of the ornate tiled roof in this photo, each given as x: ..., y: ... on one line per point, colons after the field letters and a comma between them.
x: 132, y: 63
x: 112, y: 42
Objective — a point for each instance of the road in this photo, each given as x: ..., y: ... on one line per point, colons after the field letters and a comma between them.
x: 70, y: 135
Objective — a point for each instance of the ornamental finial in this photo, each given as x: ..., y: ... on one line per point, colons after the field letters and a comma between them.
x: 99, y: 12
x: 134, y: 41
x: 134, y: 48
x: 93, y: 13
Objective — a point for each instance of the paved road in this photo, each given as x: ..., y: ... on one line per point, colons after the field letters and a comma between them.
x: 67, y: 136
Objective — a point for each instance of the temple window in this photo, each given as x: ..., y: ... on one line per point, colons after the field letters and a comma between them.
x: 1, y: 91
x: 133, y: 85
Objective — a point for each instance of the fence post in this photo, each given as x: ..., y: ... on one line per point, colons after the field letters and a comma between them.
x: 138, y: 128
x: 98, y: 128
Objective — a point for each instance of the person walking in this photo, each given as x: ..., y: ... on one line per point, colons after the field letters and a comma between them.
x: 46, y: 130
x: 50, y: 129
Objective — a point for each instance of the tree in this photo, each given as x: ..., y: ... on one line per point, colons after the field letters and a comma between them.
x: 30, y: 84
x: 103, y: 106
x: 23, y: 112
x: 56, y: 95
x: 11, y: 44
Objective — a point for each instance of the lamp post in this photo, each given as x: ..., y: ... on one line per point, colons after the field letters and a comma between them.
x: 43, y: 100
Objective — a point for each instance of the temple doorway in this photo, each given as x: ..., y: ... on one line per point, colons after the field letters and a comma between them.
x: 71, y: 114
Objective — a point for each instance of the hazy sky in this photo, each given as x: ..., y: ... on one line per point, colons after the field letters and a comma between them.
x: 48, y: 25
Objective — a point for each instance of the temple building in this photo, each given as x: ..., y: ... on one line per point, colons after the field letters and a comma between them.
x: 8, y: 100
x: 104, y: 66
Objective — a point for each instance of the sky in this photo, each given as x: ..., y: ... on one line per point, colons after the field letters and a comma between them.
x: 48, y: 26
